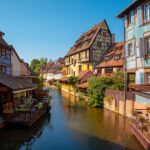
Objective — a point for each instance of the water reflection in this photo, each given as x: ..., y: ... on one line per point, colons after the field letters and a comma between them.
x: 14, y: 138
x: 72, y: 125
x: 102, y: 124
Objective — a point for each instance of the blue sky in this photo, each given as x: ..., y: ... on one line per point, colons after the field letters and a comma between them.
x: 48, y: 28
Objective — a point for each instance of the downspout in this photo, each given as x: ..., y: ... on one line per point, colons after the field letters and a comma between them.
x: 125, y: 71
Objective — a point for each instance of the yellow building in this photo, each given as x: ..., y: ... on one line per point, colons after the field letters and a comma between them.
x: 88, y: 49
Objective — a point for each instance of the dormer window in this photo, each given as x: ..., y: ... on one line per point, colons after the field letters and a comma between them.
x: 106, y: 58
x: 116, y: 57
x: 147, y: 12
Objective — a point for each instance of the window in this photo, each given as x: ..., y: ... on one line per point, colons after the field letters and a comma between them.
x: 8, y: 70
x: 147, y: 78
x: 99, y: 44
x: 109, y: 70
x: 88, y: 66
x: 116, y: 57
x: 74, y: 64
x: 99, y: 71
x: 80, y: 68
x: 79, y: 56
x: 3, y: 52
x: 130, y: 19
x: 147, y: 45
x: 130, y: 49
x: 106, y: 58
x: 131, y: 78
x: 8, y: 54
x: 147, y: 12
x: 2, y: 69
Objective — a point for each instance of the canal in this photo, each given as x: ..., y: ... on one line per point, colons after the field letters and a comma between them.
x: 72, y: 126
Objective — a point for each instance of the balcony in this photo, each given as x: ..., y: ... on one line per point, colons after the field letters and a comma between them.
x: 145, y: 87
x: 140, y: 126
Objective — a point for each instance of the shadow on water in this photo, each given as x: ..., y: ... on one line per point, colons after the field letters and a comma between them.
x: 12, y: 138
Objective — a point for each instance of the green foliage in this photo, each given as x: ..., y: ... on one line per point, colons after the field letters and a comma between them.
x: 40, y: 82
x: 80, y: 96
x: 96, y: 90
x: 72, y: 80
x: 36, y: 64
x: 118, y: 81
x: 43, y: 61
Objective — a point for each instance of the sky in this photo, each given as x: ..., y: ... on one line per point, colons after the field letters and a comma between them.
x: 48, y: 28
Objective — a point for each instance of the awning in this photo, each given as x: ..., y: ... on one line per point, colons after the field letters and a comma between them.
x: 16, y: 84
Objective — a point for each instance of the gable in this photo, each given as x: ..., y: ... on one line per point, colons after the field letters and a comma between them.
x: 86, y: 40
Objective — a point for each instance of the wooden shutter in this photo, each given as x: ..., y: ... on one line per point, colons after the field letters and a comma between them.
x: 126, y: 21
x: 139, y: 15
x: 133, y: 47
x: 142, y: 52
x: 126, y: 50
x: 132, y: 17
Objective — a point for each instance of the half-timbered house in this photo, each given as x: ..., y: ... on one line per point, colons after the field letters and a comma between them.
x: 112, y: 61
x: 88, y: 49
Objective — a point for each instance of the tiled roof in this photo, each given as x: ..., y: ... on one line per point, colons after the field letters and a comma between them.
x: 116, y: 49
x: 15, y: 83
x: 134, y: 4
x: 85, y: 40
x: 3, y: 42
x: 63, y: 79
x: 85, y: 75
x: 53, y: 67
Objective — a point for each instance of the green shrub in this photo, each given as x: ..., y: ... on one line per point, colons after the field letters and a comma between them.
x: 96, y: 90
x: 118, y: 81
x: 80, y: 96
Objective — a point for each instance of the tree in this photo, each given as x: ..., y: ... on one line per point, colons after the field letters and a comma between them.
x: 34, y: 63
x: 37, y: 64
x: 118, y: 80
x: 43, y: 61
x: 96, y: 90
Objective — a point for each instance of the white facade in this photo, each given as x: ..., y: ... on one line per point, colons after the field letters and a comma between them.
x: 15, y: 65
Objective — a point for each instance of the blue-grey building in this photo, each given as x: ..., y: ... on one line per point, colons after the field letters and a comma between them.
x: 137, y: 48
x: 5, y: 56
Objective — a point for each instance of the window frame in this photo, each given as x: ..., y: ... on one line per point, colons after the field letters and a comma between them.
x: 144, y: 10
x: 145, y: 45
x: 146, y: 77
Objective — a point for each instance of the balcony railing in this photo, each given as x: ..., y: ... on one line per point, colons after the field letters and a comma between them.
x: 140, y: 126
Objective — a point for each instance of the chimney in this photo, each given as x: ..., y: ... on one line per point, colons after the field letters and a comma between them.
x: 1, y: 34
x: 113, y: 38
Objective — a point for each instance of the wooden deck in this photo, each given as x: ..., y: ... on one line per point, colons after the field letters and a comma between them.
x: 29, y: 118
x: 143, y: 137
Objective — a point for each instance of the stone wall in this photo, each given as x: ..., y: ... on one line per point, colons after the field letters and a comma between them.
x: 114, y: 101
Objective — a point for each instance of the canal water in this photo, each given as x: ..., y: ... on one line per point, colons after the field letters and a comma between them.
x: 72, y: 125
